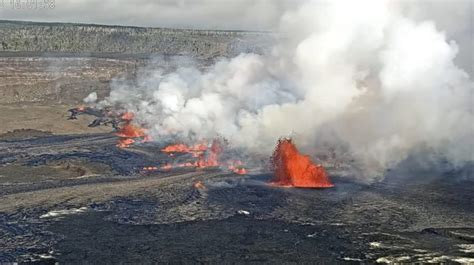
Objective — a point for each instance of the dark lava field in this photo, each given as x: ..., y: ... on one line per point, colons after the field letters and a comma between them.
x: 79, y: 198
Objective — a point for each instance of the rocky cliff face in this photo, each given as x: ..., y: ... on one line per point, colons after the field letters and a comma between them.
x: 98, y: 40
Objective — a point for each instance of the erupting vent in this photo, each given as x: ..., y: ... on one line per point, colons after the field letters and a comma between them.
x: 294, y: 169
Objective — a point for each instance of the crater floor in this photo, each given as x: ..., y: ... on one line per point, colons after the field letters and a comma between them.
x: 79, y: 198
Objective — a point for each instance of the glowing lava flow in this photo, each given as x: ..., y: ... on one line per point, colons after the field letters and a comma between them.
x: 294, y: 169
x: 213, y: 155
x: 206, y: 157
x: 127, y: 133
x: 131, y: 131
x: 196, y: 150
x: 199, y: 185
x: 237, y: 167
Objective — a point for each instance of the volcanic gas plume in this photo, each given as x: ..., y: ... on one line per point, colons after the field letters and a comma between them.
x: 358, y: 77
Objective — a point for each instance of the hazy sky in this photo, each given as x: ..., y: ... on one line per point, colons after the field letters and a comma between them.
x: 208, y: 14
x: 214, y: 14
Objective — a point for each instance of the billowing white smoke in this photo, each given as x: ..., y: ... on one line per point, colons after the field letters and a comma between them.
x: 357, y: 77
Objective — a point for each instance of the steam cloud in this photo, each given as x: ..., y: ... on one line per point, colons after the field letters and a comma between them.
x: 91, y: 98
x: 360, y: 79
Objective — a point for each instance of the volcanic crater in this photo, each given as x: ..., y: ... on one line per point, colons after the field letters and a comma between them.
x: 71, y: 193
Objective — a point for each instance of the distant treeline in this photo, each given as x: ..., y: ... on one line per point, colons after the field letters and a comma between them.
x: 68, y: 38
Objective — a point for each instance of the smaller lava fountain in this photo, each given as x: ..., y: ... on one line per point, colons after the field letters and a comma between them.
x: 296, y: 170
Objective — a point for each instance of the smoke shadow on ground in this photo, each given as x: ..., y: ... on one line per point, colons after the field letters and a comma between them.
x: 418, y: 170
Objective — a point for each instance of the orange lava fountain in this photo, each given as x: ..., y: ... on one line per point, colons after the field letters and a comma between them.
x: 296, y: 170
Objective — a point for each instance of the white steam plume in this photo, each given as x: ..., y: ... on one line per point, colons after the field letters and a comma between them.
x: 91, y: 98
x: 358, y: 77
